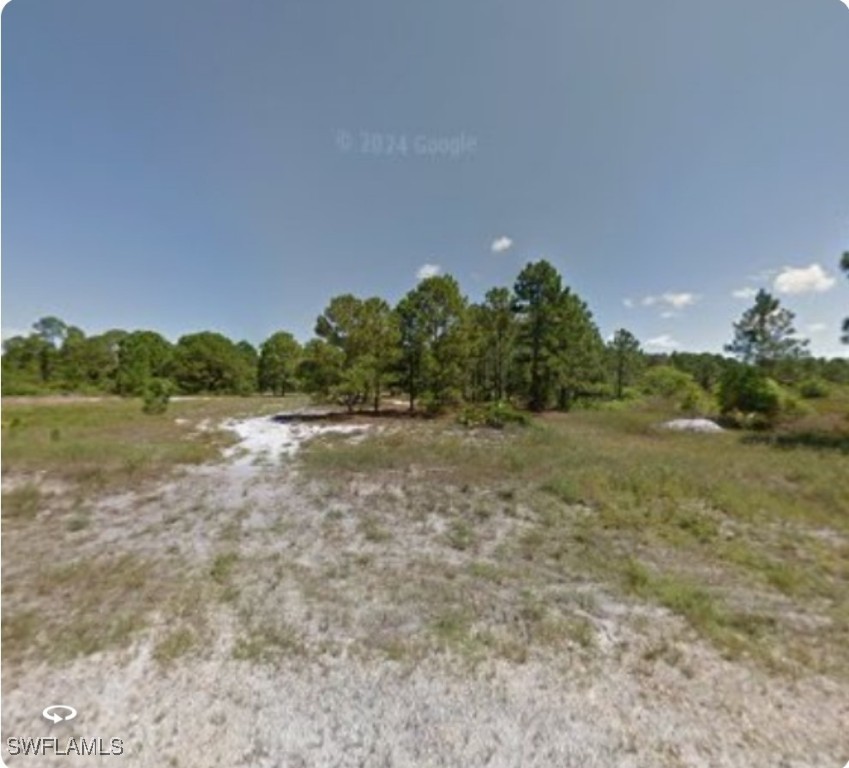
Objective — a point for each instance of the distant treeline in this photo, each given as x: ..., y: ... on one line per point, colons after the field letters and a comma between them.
x: 535, y: 345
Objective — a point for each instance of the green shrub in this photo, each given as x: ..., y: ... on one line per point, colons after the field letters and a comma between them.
x: 666, y: 381
x: 745, y: 393
x: 813, y: 388
x: 157, y: 393
x: 432, y: 406
x: 678, y: 387
x: 495, y: 415
x: 792, y: 406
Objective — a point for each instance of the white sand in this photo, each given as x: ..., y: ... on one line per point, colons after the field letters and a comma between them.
x: 265, y: 440
x: 693, y: 425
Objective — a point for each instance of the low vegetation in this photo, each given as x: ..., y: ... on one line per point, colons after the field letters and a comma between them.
x: 505, y: 542
x: 744, y: 541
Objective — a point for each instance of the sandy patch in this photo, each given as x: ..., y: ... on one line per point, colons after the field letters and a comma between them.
x: 693, y: 425
x: 267, y: 440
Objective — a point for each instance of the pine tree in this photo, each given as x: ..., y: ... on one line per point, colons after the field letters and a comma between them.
x: 765, y: 334
x: 626, y: 357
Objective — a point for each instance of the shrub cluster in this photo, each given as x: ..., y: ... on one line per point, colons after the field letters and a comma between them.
x: 496, y: 415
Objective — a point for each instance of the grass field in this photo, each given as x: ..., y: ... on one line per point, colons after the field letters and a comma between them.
x: 670, y: 591
x: 746, y: 539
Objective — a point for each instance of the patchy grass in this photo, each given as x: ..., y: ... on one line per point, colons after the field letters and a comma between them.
x: 110, y: 443
x: 747, y: 541
x: 86, y: 606
x: 174, y: 645
x: 22, y: 503
x: 268, y: 643
x: 460, y: 535
x: 79, y: 521
x: 504, y: 543
x: 222, y: 567
x: 373, y: 531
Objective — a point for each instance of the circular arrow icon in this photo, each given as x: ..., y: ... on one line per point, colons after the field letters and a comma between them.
x: 50, y: 714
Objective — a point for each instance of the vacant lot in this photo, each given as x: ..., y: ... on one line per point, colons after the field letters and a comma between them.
x: 591, y: 590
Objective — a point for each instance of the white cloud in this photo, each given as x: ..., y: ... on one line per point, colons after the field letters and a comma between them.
x: 816, y: 327
x: 428, y: 270
x: 745, y: 293
x: 812, y: 279
x: 765, y: 275
x: 501, y: 244
x: 628, y: 303
x: 679, y: 300
x: 667, y: 314
x: 674, y: 300
x: 663, y: 343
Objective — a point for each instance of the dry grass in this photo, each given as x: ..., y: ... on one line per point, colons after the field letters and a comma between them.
x: 428, y: 538
x: 747, y: 541
x: 111, y: 444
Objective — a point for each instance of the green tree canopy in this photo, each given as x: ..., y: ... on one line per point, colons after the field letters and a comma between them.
x: 210, y: 362
x: 626, y: 359
x: 434, y: 349
x: 320, y: 368
x: 578, y: 357
x: 498, y: 333
x: 765, y: 335
x: 538, y: 301
x: 279, y: 356
x: 142, y: 357
x: 366, y: 333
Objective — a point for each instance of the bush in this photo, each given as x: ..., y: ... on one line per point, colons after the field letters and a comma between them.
x: 813, y: 388
x: 676, y: 386
x: 746, y: 392
x: 157, y: 393
x: 431, y: 405
x: 792, y: 406
x: 666, y: 381
x: 495, y: 415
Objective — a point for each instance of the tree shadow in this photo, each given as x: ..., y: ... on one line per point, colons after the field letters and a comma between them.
x: 822, y: 441
x: 340, y: 415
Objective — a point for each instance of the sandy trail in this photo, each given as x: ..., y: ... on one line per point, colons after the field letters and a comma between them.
x: 333, y: 699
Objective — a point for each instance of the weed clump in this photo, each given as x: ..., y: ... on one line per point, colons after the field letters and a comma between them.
x: 156, y: 396
x: 495, y: 415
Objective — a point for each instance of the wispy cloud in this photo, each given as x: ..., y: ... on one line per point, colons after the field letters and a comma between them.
x: 428, y: 270
x: 662, y: 343
x: 812, y: 279
x: 816, y: 327
x: 668, y: 313
x: 671, y: 299
x: 501, y: 244
x: 764, y: 276
x: 680, y: 300
x: 745, y: 293
x: 628, y: 303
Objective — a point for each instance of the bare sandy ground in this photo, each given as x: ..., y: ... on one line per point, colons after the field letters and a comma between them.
x: 647, y: 694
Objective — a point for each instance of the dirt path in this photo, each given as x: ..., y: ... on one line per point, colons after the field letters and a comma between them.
x: 300, y: 614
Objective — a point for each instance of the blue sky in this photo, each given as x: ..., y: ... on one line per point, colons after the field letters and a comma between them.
x: 191, y: 165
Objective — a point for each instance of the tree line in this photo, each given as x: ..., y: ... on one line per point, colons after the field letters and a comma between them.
x: 535, y: 344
